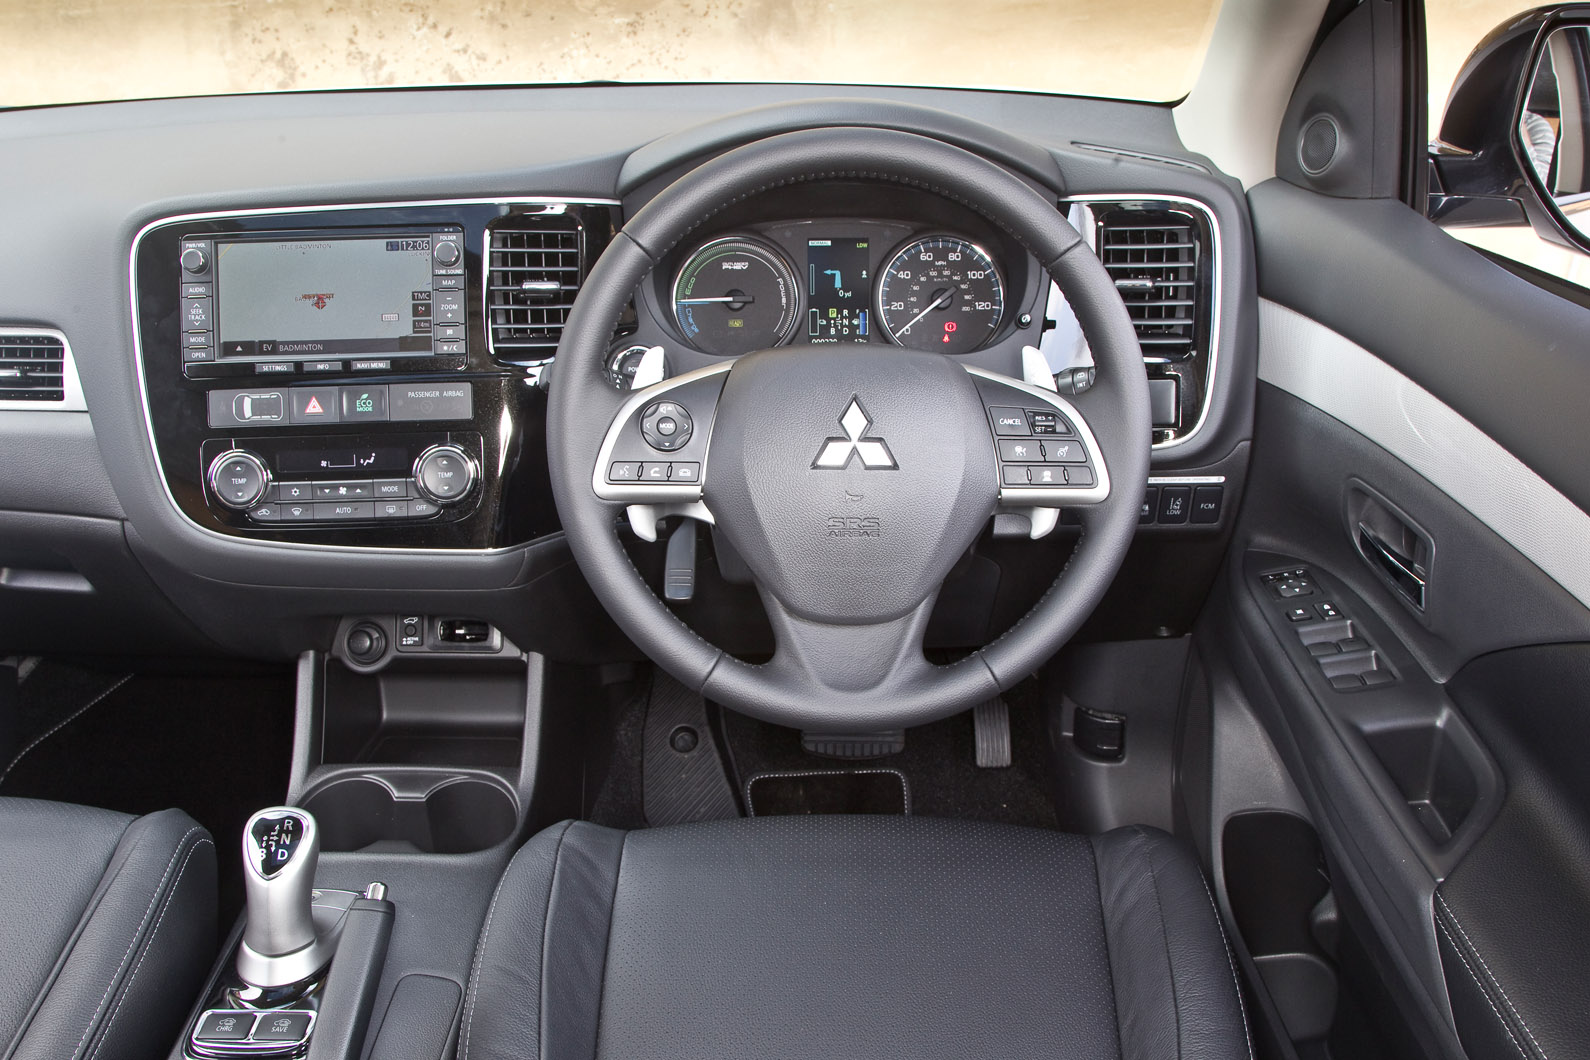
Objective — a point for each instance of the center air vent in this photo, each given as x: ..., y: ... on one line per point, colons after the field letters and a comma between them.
x: 531, y: 281
x: 1154, y: 257
x: 32, y: 368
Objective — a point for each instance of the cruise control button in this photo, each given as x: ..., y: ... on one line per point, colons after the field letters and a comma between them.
x: 1045, y: 422
x: 224, y: 1027
x: 1009, y: 421
x: 1022, y: 452
x: 1059, y: 452
x: 1079, y: 476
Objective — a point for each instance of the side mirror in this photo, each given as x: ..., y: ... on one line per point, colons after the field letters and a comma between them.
x: 1514, y: 146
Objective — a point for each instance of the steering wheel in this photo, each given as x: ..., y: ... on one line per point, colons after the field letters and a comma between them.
x: 849, y: 478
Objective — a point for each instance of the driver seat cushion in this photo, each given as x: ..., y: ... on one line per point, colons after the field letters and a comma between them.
x: 803, y: 937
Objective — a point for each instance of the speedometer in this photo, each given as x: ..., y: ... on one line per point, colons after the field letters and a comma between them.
x: 941, y: 293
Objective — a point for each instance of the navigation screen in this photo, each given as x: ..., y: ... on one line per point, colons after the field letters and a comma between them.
x: 837, y: 290
x: 324, y: 297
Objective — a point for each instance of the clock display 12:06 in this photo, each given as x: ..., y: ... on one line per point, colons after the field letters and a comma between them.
x: 941, y: 293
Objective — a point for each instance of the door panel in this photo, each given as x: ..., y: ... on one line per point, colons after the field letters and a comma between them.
x: 1418, y: 401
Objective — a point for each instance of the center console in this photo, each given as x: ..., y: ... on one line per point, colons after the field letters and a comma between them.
x: 359, y: 375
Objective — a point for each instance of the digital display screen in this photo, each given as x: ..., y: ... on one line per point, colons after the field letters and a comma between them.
x: 324, y: 297
x: 838, y: 290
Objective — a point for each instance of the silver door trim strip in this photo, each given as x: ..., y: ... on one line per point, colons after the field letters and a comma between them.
x: 1347, y: 382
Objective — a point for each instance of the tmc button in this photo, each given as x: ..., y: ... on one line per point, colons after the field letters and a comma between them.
x: 238, y: 479
x: 666, y: 426
x: 444, y: 474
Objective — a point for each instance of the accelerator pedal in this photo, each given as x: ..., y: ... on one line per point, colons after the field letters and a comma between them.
x: 992, y: 723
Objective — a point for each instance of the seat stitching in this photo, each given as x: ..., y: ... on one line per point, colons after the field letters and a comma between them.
x: 136, y: 936
x: 153, y: 934
x: 1488, y: 974
x: 607, y: 947
x: 1483, y: 992
x: 480, y: 948
x: 1242, y: 1006
x: 58, y: 726
x: 1164, y: 935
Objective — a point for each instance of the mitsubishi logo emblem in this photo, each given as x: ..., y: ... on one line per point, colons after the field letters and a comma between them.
x: 836, y: 453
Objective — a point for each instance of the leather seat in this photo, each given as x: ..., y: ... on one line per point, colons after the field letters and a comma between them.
x: 107, y: 928
x: 878, y: 937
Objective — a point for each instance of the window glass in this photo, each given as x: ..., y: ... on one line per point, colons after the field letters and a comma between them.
x: 54, y: 52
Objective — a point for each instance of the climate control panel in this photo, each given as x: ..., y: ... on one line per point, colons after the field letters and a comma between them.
x: 271, y: 481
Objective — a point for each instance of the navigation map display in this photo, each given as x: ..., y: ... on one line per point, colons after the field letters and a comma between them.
x: 318, y: 297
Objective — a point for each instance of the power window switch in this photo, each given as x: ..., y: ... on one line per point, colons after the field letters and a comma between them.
x: 1346, y: 682
x: 1327, y: 610
x: 1299, y: 614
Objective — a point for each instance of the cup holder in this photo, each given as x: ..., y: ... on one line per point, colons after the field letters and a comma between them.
x: 412, y: 811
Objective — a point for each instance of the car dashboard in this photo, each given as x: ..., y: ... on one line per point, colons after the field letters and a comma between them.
x: 315, y: 373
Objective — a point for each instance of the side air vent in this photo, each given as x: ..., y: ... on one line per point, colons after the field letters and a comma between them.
x: 32, y: 368
x: 531, y: 280
x: 1154, y: 257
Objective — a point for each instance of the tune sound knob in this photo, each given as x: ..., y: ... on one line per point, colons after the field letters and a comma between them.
x: 239, y: 479
x: 445, y: 474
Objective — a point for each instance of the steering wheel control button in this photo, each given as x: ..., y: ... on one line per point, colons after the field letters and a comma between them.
x: 1047, y: 476
x: 654, y: 472
x: 1014, y: 475
x: 238, y: 479
x: 224, y: 1026
x: 1021, y: 452
x: 1079, y: 476
x: 1175, y: 503
x: 1010, y: 422
x: 685, y: 472
x: 444, y: 474
x: 1064, y: 452
x: 666, y: 426
x: 624, y: 471
x: 1044, y: 422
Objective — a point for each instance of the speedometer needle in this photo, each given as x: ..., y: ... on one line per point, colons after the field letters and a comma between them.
x: 940, y: 299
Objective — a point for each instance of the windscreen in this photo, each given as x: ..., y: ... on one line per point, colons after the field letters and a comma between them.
x: 53, y: 52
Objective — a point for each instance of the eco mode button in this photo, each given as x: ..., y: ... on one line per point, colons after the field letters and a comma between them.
x: 432, y: 401
x: 363, y: 404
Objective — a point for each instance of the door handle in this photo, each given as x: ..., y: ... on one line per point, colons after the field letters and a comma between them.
x: 1402, y: 571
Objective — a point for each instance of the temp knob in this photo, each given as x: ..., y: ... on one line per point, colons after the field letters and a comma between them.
x: 239, y: 479
x: 446, y: 253
x: 194, y: 260
x: 445, y: 474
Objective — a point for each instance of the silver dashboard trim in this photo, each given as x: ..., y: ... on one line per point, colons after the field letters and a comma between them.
x: 71, y: 385
x: 265, y: 211
x: 1215, y: 303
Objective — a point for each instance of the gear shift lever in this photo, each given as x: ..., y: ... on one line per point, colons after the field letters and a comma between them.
x: 282, y: 942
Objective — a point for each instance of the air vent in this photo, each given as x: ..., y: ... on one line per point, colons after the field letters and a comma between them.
x: 1153, y: 257
x: 32, y: 368
x: 533, y: 276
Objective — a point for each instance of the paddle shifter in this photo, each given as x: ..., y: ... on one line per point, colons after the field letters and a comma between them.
x: 292, y: 928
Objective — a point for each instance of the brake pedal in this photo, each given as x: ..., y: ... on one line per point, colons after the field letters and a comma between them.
x: 992, y: 723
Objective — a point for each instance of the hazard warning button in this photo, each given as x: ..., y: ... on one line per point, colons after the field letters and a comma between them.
x: 313, y: 404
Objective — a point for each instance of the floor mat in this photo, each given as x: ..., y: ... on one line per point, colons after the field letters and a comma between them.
x: 217, y: 747
x: 939, y: 763
x: 878, y: 791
